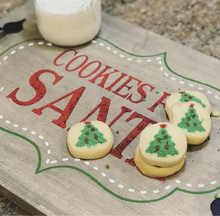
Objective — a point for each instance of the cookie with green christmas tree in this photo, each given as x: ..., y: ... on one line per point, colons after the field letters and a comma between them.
x: 90, y: 140
x: 187, y: 96
x: 161, y: 151
x: 193, y: 119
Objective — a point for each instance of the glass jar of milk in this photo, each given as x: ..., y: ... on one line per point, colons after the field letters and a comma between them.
x: 68, y: 22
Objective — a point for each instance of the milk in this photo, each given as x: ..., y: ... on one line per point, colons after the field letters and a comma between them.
x: 68, y: 22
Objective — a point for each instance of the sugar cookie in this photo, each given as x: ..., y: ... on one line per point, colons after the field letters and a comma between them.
x: 90, y: 140
x: 161, y: 151
x: 193, y: 119
x: 187, y: 96
x: 155, y: 171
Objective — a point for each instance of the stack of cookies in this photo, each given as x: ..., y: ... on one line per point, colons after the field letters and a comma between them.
x: 190, y: 111
x: 162, y: 148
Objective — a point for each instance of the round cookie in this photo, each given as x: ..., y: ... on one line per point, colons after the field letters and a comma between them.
x: 90, y: 140
x: 155, y: 171
x: 193, y: 119
x: 187, y: 96
x: 161, y: 151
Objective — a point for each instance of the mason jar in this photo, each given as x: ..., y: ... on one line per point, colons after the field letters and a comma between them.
x: 68, y: 22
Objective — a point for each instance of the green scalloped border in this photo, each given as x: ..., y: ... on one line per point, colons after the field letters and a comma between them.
x: 165, y: 62
x: 38, y: 170
x: 164, y: 54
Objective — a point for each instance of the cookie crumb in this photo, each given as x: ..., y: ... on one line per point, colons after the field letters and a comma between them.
x: 214, y: 114
x: 216, y: 196
x: 208, y: 138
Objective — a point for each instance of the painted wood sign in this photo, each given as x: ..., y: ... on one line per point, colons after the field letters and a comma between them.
x: 123, y: 78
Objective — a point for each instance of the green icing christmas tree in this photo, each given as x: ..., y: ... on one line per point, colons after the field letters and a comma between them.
x: 191, y: 121
x: 186, y: 97
x: 162, y: 145
x: 90, y: 136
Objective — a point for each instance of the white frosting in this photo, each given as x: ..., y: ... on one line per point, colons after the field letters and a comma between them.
x: 64, y: 6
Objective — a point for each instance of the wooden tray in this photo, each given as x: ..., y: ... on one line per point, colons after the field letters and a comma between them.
x: 123, y: 78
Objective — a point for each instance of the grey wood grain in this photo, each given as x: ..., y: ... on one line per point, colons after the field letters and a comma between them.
x: 56, y: 186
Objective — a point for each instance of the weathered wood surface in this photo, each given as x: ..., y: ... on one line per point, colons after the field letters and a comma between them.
x: 36, y: 169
